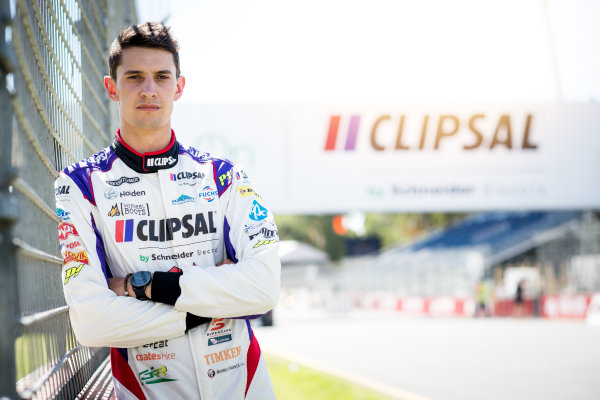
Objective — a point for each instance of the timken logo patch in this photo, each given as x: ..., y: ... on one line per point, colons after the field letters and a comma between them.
x: 223, y: 355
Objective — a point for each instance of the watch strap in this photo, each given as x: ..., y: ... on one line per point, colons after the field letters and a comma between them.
x: 140, y: 292
x: 125, y: 281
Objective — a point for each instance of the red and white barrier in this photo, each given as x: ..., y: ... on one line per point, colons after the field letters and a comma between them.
x: 565, y: 305
x: 574, y: 306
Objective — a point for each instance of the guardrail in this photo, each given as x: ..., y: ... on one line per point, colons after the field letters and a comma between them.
x: 53, y: 56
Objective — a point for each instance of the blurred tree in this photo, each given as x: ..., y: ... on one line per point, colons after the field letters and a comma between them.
x: 316, y: 230
x: 392, y: 228
x: 399, y: 228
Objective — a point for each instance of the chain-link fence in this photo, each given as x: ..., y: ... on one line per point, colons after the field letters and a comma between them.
x: 54, y: 113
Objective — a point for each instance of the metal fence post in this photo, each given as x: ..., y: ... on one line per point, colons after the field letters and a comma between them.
x: 9, y: 308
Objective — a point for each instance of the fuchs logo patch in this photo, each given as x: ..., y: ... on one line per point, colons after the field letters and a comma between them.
x: 122, y: 180
x: 208, y: 194
x: 219, y: 339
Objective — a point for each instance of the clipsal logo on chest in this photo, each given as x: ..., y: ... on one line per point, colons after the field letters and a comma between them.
x: 159, y: 161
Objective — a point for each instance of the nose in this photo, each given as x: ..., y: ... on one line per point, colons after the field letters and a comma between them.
x: 149, y: 88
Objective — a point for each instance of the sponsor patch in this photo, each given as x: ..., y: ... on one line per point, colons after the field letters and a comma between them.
x: 165, y: 229
x: 208, y: 194
x: 158, y: 345
x: 257, y: 211
x: 65, y: 230
x: 217, y: 324
x: 182, y: 200
x: 155, y: 375
x: 132, y: 193
x: 155, y: 356
x: 225, y: 178
x: 187, y: 178
x: 62, y: 190
x: 72, y: 272
x: 124, y: 209
x: 122, y: 180
x: 264, y: 242
x: 223, y: 355
x: 62, y: 214
x: 135, y: 209
x: 79, y: 257
x: 71, y: 245
x: 245, y: 191
x: 110, y: 193
x: 114, y: 211
x: 229, y: 368
x: 219, y: 339
x: 241, y: 175
x: 160, y: 161
x: 265, y: 232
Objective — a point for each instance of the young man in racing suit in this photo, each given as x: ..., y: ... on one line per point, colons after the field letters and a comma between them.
x: 168, y: 251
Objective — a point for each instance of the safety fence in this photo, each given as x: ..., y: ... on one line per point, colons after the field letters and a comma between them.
x: 53, y: 56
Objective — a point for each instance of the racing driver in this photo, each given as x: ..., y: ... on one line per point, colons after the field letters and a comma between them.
x: 168, y: 251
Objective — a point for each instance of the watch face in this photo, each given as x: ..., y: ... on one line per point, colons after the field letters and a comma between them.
x: 140, y: 279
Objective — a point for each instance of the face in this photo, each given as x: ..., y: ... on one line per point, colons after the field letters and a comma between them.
x: 145, y: 89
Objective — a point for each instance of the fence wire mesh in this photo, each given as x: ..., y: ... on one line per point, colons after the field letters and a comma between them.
x: 59, y: 114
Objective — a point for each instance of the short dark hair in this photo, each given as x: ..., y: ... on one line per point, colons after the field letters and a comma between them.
x: 153, y: 35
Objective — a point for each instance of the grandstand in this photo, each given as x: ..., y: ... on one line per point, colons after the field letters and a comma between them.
x: 452, y: 261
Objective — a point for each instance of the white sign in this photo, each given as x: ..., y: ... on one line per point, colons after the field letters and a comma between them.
x: 319, y: 159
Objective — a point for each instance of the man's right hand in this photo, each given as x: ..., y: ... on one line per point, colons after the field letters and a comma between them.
x: 225, y: 261
x: 116, y: 285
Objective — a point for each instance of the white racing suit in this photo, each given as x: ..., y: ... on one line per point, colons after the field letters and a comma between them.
x: 175, y: 213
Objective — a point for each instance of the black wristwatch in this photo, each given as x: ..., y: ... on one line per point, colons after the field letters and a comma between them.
x: 139, y: 282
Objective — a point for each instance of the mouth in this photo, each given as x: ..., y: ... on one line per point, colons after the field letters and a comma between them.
x: 148, y: 107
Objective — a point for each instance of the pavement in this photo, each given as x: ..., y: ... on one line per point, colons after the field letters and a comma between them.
x: 417, y: 358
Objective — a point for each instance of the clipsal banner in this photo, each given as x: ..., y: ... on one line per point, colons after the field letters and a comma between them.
x: 319, y: 159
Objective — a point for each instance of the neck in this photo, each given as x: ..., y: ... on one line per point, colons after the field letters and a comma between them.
x: 145, y: 141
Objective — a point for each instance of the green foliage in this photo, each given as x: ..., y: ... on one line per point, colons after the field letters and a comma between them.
x: 392, y: 228
x: 316, y: 230
x: 296, y: 382
x: 397, y: 229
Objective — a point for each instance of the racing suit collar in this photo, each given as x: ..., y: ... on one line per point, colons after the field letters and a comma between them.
x: 147, y: 162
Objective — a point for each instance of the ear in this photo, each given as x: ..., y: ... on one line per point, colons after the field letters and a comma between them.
x: 180, y: 86
x: 111, y: 90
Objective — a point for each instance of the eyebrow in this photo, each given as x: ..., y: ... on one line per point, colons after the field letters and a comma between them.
x: 134, y: 72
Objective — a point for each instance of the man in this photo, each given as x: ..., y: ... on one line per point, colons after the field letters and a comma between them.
x: 168, y: 251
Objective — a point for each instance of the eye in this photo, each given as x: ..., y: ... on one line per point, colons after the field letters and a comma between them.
x: 163, y: 77
x: 134, y: 77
